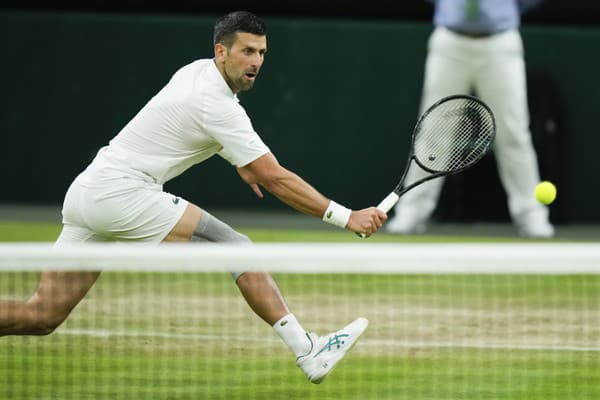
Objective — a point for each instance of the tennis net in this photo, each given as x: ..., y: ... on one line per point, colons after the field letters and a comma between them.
x: 494, y: 321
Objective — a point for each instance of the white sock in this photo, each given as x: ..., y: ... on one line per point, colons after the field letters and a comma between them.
x: 292, y: 333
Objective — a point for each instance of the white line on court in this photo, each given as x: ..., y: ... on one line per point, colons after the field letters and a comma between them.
x: 402, y: 344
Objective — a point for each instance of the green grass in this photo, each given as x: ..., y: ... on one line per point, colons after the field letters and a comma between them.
x: 191, y: 336
x: 454, y: 375
x: 19, y: 231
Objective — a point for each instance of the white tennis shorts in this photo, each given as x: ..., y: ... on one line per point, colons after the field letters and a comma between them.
x: 105, y: 208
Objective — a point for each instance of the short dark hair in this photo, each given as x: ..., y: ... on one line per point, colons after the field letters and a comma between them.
x: 227, y: 27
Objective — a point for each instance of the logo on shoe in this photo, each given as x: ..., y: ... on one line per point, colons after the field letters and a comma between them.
x: 335, y: 340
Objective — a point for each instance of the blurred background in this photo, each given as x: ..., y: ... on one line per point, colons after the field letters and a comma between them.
x: 336, y: 101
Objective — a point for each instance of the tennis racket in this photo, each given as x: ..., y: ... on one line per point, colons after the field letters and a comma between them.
x: 451, y: 136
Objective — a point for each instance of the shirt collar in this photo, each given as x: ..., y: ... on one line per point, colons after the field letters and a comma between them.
x: 220, y: 81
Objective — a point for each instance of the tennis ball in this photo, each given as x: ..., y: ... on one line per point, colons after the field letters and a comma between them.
x: 545, y: 192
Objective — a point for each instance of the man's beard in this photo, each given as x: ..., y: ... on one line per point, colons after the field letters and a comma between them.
x: 244, y: 85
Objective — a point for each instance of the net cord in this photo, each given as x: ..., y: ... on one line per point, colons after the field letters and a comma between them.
x: 363, y: 258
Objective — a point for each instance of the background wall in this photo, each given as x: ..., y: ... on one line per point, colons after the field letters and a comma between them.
x: 336, y: 100
x: 548, y: 12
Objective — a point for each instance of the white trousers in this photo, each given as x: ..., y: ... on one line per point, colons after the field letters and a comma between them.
x: 494, y: 69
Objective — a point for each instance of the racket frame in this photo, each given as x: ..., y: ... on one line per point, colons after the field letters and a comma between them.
x: 391, y: 200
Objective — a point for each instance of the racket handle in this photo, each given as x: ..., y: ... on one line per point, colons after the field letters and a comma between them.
x: 385, y: 206
x: 389, y: 202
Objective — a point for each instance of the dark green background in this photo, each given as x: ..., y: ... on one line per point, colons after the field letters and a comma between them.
x: 336, y: 100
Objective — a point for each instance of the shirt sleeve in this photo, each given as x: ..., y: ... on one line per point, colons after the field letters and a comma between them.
x: 233, y: 130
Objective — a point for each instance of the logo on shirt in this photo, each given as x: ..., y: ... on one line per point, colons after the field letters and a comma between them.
x: 176, y: 200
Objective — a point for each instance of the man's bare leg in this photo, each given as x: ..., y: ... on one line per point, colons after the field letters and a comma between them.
x: 314, y: 355
x: 259, y: 289
x: 57, y: 294
x: 263, y: 296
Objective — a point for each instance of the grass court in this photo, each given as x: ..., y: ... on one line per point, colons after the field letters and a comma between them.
x: 192, y: 336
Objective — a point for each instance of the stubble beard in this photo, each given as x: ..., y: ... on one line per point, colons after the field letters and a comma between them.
x: 239, y: 84
x: 244, y: 85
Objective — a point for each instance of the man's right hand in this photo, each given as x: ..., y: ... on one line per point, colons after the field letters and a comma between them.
x: 366, y: 221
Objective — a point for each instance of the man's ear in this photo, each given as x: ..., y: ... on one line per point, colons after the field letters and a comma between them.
x: 220, y: 52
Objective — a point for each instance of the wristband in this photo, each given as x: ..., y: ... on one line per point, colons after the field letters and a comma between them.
x: 337, y: 214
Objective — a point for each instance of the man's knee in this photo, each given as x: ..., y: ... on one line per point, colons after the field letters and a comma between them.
x: 211, y: 229
x: 41, y: 322
x: 240, y: 238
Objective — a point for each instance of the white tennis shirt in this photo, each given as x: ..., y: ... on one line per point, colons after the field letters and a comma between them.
x: 195, y: 116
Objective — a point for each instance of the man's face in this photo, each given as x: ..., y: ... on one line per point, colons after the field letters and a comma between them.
x: 240, y: 63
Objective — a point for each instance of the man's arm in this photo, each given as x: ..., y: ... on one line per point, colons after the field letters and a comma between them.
x: 297, y: 193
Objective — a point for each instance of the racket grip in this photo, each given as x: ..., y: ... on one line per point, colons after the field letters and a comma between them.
x: 385, y: 206
x: 389, y: 202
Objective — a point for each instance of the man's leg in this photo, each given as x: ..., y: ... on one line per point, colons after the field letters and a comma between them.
x: 259, y: 289
x: 55, y: 297
x: 315, y: 355
x: 57, y: 294
x: 503, y: 86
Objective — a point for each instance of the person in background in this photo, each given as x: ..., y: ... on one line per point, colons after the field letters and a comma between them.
x: 476, y: 48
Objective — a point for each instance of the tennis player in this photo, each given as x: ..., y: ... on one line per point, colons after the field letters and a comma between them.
x: 120, y: 197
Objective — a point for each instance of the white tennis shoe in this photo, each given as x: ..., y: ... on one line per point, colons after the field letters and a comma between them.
x: 328, y: 350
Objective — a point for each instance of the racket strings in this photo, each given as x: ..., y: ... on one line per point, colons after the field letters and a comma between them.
x: 453, y: 135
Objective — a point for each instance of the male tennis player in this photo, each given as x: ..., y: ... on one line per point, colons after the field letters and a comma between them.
x: 119, y: 196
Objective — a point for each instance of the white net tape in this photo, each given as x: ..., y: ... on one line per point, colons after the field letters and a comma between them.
x: 374, y: 258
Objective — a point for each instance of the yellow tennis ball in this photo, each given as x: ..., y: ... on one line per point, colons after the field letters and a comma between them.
x: 545, y: 192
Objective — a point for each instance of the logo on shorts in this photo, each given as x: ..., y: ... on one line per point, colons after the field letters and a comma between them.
x: 176, y: 200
